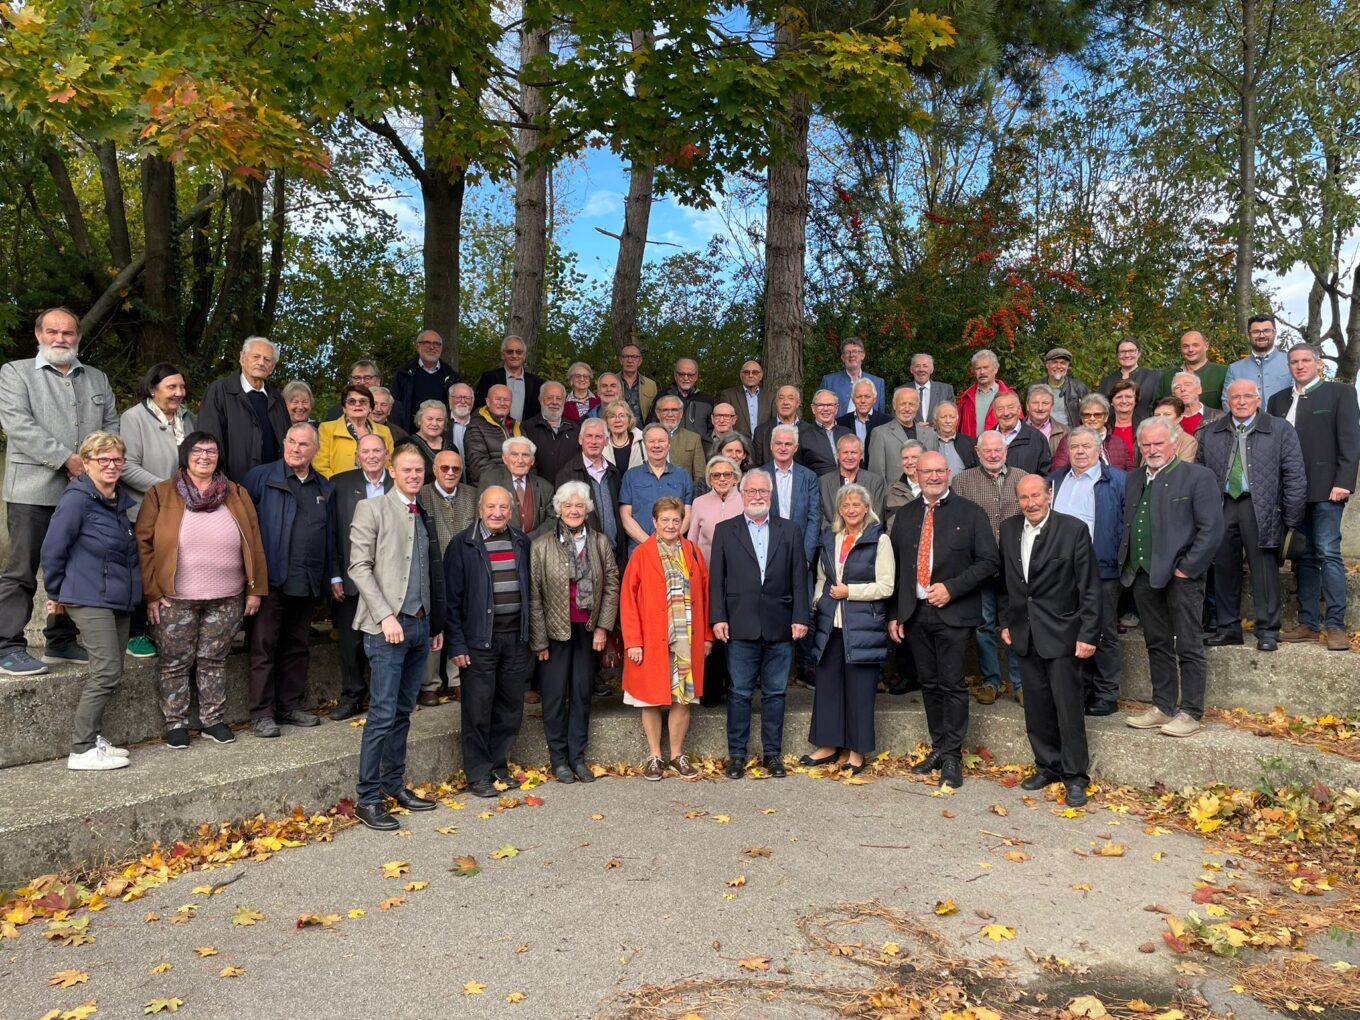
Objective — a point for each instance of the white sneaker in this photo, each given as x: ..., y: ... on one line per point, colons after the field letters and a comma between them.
x: 107, y: 748
x: 94, y: 760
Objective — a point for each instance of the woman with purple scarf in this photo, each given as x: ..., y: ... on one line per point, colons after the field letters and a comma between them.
x: 203, y: 569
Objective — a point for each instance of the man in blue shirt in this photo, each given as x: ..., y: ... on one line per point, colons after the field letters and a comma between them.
x: 1266, y: 366
x: 841, y: 383
x: 645, y: 484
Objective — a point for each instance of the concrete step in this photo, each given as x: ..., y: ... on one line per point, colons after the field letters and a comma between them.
x: 51, y: 818
x: 1289, y: 602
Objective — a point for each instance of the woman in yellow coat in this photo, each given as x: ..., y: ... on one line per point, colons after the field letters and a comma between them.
x: 340, y: 438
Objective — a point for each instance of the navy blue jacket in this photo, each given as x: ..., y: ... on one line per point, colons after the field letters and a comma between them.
x: 467, y: 589
x: 864, y: 625
x: 807, y: 507
x: 89, y: 557
x: 276, y: 507
x: 757, y: 610
x: 1109, y: 527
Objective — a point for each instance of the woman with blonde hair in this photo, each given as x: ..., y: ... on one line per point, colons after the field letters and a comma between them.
x: 624, y: 449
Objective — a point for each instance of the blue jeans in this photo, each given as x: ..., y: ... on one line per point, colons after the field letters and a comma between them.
x: 1321, y: 574
x: 748, y: 661
x: 395, y: 672
x: 987, y: 638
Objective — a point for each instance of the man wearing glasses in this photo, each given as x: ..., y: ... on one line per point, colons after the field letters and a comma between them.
x: 450, y: 507
x: 48, y: 405
x: 427, y: 376
x: 698, y: 405
x: 1266, y: 365
x: 817, y: 439
x: 365, y: 373
x: 523, y: 385
x: 638, y: 389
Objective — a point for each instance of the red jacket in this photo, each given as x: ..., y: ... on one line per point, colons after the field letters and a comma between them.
x: 643, y: 616
x: 968, y: 410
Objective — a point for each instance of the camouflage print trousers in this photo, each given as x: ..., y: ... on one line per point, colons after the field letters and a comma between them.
x: 196, y: 632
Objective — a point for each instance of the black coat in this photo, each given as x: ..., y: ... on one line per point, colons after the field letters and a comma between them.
x: 467, y: 589
x: 1186, y: 524
x: 876, y: 418
x: 1030, y: 451
x: 698, y: 409
x: 1328, y: 424
x: 1060, y: 603
x: 348, y: 490
x: 965, y: 558
x: 225, y: 414
x: 554, y: 449
x: 756, y: 610
x: 966, y: 448
x: 496, y: 377
x: 1275, y: 472
x: 815, y: 451
x: 403, y: 386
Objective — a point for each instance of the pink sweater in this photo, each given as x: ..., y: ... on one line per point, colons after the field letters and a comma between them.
x: 209, y: 561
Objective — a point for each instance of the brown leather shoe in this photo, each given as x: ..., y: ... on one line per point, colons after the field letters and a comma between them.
x: 1020, y: 697
x: 986, y: 694
x: 681, y: 765
x: 1299, y: 634
x: 428, y: 698
x: 532, y: 697
x: 1337, y: 640
x: 654, y: 769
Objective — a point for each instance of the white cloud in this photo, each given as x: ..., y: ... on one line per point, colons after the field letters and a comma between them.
x: 602, y: 204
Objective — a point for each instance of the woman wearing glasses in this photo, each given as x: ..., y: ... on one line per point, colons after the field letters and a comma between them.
x: 203, y: 567
x: 89, y: 564
x: 721, y: 502
x: 339, y: 439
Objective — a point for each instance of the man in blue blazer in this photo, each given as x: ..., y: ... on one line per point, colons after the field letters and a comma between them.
x: 796, y: 499
x: 758, y: 604
x: 842, y: 382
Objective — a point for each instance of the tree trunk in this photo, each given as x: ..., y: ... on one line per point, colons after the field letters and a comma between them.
x: 236, y: 310
x: 1348, y: 355
x: 70, y: 205
x: 200, y: 258
x: 441, y: 192
x: 527, y: 278
x: 637, y: 214
x: 1247, y: 133
x: 160, y: 278
x: 786, y: 212
x: 277, y: 227
x: 115, y: 205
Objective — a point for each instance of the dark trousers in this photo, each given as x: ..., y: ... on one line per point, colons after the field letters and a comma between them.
x: 843, y: 703
x: 1102, y: 670
x: 1175, y: 642
x: 397, y: 669
x: 715, y: 675
x: 19, y: 581
x: 750, y: 663
x: 493, y: 703
x: 280, y: 654
x: 939, y: 651
x: 353, y: 659
x: 567, y: 679
x: 1055, y: 719
x: 1241, y: 540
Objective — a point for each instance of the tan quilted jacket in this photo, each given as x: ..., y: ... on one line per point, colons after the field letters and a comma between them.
x: 549, y: 589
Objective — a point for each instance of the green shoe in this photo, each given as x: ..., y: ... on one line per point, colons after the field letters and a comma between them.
x: 141, y: 648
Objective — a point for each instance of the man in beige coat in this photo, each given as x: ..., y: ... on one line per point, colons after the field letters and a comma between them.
x: 395, y: 563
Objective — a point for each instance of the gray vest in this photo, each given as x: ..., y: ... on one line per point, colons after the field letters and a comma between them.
x: 418, y: 583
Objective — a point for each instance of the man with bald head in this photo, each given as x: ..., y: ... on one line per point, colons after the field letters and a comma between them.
x: 788, y: 404
x: 486, y: 581
x: 490, y: 427
x: 427, y: 376
x: 697, y: 405
x: 1195, y: 359
x: 553, y: 434
x: 752, y: 400
x: 884, y: 452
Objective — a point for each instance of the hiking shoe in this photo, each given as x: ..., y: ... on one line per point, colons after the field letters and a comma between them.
x: 20, y: 663
x: 1154, y: 718
x: 653, y: 770
x: 1181, y: 726
x: 66, y: 655
x: 265, y: 727
x: 141, y: 648
x: 219, y: 733
x: 1337, y: 640
x: 94, y: 760
x: 1299, y: 635
x: 117, y: 752
x: 178, y: 738
x: 297, y: 717
x: 986, y: 694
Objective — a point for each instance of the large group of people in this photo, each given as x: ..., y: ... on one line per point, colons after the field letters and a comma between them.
x: 504, y: 539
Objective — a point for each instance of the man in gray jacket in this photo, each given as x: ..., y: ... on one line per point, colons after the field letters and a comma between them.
x: 48, y: 405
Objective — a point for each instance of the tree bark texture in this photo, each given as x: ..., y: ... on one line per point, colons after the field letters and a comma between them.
x: 528, y: 277
x: 1247, y: 134
x: 637, y: 214
x: 160, y: 278
x: 115, y: 205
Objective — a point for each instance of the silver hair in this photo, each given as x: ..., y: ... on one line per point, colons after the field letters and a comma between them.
x: 718, y: 459
x: 305, y: 425
x: 572, y: 490
x: 1040, y: 387
x: 245, y: 347
x: 913, y: 444
x: 785, y: 429
x: 579, y: 364
x: 984, y: 355
x: 935, y: 411
x: 1095, y: 400
x: 375, y: 390
x: 846, y: 491
x: 928, y: 357
x: 437, y: 405
x: 848, y: 439
x: 1250, y: 382
x: 552, y: 382
x: 1084, y: 430
x: 589, y: 422
x: 1191, y: 375
x: 909, y: 388
x: 612, y: 375
x: 519, y: 441
x: 512, y: 336
x: 755, y: 473
x: 1157, y: 422
x: 297, y: 386
x: 864, y: 382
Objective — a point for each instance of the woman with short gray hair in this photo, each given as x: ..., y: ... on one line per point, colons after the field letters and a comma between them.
x: 429, y: 438
x: 299, y: 402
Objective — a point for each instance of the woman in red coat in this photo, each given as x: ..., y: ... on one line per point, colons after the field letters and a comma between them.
x: 664, y: 612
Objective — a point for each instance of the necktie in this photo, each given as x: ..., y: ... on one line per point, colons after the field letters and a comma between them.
x: 413, y: 508
x: 921, y: 404
x: 923, y: 551
x: 526, y: 506
x: 1237, y: 470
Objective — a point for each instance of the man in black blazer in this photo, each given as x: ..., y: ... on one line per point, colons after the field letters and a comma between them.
x: 817, y: 439
x: 929, y: 393
x: 1026, y: 447
x: 523, y: 386
x: 602, y: 479
x: 350, y: 488
x: 939, y: 603
x: 1173, y: 524
x: 1050, y: 616
x: 758, y: 605
x: 531, y: 508
x: 862, y: 419
x: 1325, y: 416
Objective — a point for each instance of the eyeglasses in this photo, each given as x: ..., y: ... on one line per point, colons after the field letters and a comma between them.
x: 686, y: 375
x: 451, y: 468
x: 515, y: 350
x: 203, y: 452
x: 755, y: 492
x: 356, y: 401
x: 106, y: 462
x: 722, y: 474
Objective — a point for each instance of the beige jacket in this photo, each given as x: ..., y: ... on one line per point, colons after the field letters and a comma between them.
x: 381, y: 544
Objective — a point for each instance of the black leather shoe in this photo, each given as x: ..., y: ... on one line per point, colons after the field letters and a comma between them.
x: 503, y: 776
x: 1222, y: 638
x: 1075, y: 794
x: 1100, y: 709
x: 1267, y: 644
x: 775, y: 767
x: 564, y: 775
x: 814, y: 763
x: 951, y: 773
x: 928, y: 765
x: 412, y: 802
x: 483, y: 788
x: 342, y: 712
x: 375, y: 816
x: 853, y: 770
x: 583, y: 773
x: 1038, y: 781
x: 734, y: 769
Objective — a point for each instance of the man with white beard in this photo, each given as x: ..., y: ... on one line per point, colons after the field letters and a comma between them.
x: 48, y: 405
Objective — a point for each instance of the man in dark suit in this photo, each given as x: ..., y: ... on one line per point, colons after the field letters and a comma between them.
x: 945, y: 554
x: 862, y: 419
x: 758, y: 603
x: 817, y: 439
x: 245, y: 412
x: 553, y: 436
x: 523, y: 385
x: 427, y: 376
x: 602, y: 479
x: 929, y: 394
x: 350, y: 488
x: 1026, y: 447
x: 1325, y: 416
x: 849, y: 457
x: 695, y: 404
x: 1173, y: 524
x: 796, y: 499
x: 1051, y: 618
x: 960, y: 451
x: 788, y: 401
x: 750, y: 397
x: 1258, y: 464
x: 531, y: 508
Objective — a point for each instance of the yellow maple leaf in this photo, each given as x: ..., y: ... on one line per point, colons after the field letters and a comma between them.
x: 414, y: 886
x: 736, y: 883
x: 160, y: 968
x: 231, y: 971
x: 205, y: 890
x: 1140, y: 1006
x: 945, y: 907
x: 245, y: 917
x: 447, y: 830
x: 203, y: 951
x: 1070, y: 812
x: 395, y: 869
x: 68, y: 978
x: 515, y: 997
x: 891, y: 949
x: 997, y: 932
x: 722, y: 819
x: 392, y: 902
x: 163, y: 1006
x: 473, y: 988
x: 505, y: 852
x: 1087, y: 1006
x: 1214, y: 910
x: 769, y: 811
x: 357, y: 912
